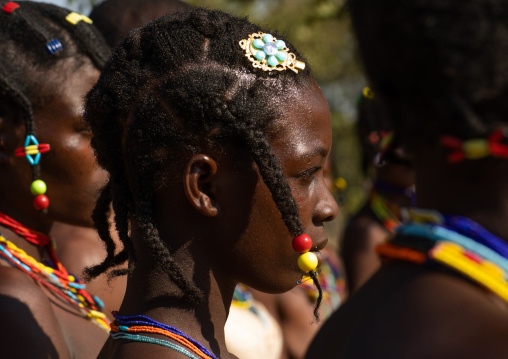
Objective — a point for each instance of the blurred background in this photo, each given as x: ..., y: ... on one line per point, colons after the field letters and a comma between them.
x: 321, y: 29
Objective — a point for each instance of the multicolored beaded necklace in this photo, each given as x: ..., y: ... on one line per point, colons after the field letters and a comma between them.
x: 128, y: 327
x: 453, y: 242
x: 387, y: 212
x: 52, y: 276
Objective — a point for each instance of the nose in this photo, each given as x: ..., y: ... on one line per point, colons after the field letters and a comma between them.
x: 327, y: 208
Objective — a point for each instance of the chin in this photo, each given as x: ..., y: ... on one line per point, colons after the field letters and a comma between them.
x: 282, y: 285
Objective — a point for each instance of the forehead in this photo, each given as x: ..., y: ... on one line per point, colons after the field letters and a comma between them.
x: 304, y: 126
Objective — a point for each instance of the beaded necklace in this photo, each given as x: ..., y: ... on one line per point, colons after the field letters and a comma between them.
x: 128, y: 327
x: 453, y: 242
x: 53, y: 276
x: 387, y: 212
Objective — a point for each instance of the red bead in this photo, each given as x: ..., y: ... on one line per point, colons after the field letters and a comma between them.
x: 302, y: 243
x: 41, y: 202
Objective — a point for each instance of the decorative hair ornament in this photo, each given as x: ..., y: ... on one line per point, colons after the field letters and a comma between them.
x: 269, y: 54
x: 54, y: 46
x: 32, y: 151
x: 74, y: 18
x: 476, y: 148
x: 10, y: 7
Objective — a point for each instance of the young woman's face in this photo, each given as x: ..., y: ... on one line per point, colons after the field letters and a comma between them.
x: 69, y: 169
x: 263, y: 257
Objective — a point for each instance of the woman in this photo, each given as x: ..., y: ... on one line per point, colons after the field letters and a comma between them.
x: 215, y: 136
x: 440, y: 68
x: 50, y: 58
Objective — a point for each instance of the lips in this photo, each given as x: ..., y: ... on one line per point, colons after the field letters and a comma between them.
x: 316, y: 249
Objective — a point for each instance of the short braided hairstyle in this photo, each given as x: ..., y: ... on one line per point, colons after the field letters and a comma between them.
x: 26, y: 65
x: 178, y: 82
x: 445, y: 61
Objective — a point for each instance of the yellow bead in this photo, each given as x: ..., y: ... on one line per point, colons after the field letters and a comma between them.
x: 477, y: 148
x: 307, y: 262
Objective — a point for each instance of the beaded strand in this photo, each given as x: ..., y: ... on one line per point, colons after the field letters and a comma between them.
x: 144, y: 324
x: 54, y: 276
x: 454, y: 242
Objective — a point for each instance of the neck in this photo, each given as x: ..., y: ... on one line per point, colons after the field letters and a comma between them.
x: 474, y: 189
x: 152, y: 293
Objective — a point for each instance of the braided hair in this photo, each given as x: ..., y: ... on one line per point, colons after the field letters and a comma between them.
x: 31, y: 57
x: 445, y: 61
x: 178, y: 86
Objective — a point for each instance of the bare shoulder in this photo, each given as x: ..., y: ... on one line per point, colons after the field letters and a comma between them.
x: 27, y: 317
x: 363, y: 232
x: 408, y: 311
x: 455, y: 316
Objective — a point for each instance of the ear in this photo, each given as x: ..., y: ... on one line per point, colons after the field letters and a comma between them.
x: 198, y: 178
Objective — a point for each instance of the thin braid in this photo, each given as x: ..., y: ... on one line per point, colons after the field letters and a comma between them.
x: 144, y: 219
x: 100, y: 217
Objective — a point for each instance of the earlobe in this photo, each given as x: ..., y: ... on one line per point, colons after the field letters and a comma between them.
x: 198, y: 180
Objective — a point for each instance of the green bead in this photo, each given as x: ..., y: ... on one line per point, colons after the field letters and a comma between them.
x: 272, y: 61
x: 258, y: 44
x: 260, y: 55
x: 38, y: 187
x: 281, y: 56
x: 267, y: 38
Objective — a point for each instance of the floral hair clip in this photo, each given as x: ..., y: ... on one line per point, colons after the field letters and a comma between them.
x: 268, y: 53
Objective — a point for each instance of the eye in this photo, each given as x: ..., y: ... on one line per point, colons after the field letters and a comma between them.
x: 308, y: 174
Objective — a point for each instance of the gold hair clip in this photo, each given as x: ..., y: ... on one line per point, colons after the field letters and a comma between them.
x: 268, y: 54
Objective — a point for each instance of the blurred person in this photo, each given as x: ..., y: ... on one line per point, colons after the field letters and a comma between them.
x: 440, y: 68
x: 50, y: 58
x: 392, y: 189
x: 115, y: 18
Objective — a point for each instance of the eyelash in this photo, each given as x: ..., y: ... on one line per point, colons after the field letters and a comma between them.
x: 308, y: 174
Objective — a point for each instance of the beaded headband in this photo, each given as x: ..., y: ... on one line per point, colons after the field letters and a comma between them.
x: 269, y: 54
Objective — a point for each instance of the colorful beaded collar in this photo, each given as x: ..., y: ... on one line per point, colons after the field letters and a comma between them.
x: 453, y: 242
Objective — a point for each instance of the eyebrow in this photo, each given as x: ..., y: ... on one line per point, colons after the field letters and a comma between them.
x: 320, y: 151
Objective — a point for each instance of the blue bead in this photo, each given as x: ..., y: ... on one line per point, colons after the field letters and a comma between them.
x: 260, y: 55
x: 258, y: 44
x: 272, y: 61
x: 267, y: 38
x: 280, y: 44
x: 281, y: 56
x: 123, y: 328
x: 53, y: 46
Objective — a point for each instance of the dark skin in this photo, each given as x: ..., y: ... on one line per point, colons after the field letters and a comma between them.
x: 224, y: 228
x: 413, y: 311
x: 364, y: 232
x: 293, y: 310
x: 80, y: 247
x: 73, y: 180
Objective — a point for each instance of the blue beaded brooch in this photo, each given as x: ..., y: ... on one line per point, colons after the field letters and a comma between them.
x: 268, y: 53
